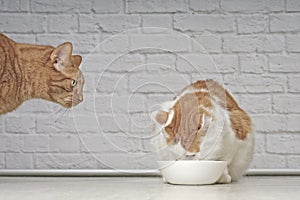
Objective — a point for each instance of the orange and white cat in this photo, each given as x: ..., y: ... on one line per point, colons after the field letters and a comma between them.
x: 202, y: 109
x: 35, y: 71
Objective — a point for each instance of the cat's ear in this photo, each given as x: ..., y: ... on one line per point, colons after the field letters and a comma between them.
x: 160, y: 116
x: 62, y: 54
x: 76, y: 60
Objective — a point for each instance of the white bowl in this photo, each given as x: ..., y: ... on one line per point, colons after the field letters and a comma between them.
x: 191, y: 172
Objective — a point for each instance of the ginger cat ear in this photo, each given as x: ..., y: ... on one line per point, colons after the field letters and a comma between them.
x: 159, y: 116
x: 62, y: 54
x: 76, y: 60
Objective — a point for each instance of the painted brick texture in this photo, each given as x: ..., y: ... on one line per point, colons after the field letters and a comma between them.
x: 139, y: 53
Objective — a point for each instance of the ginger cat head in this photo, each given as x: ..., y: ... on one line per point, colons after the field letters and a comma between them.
x: 66, y: 80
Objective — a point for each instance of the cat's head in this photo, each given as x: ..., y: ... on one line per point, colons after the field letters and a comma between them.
x: 184, y: 123
x: 66, y: 81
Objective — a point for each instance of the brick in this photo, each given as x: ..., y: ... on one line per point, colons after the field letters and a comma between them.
x: 225, y: 63
x: 112, y: 84
x: 61, y: 6
x: 285, y: 23
x: 125, y: 161
x: 252, y: 24
x: 286, y: 103
x: 128, y: 103
x: 292, y: 6
x: 268, y: 161
x: 269, y: 122
x: 11, y: 143
x: 256, y: 104
x: 96, y: 63
x: 292, y: 43
x: 271, y: 43
x: 65, y: 161
x: 283, y: 144
x: 215, y: 23
x: 204, y: 76
x: 55, y: 124
x: 64, y: 144
x: 260, y: 143
x: 294, y: 83
x: 256, y: 64
x: 119, y: 43
x: 114, y: 123
x: 98, y: 103
x: 268, y: 43
x: 254, y: 83
x: 103, y: 6
x: 85, y: 123
x: 113, y: 161
x: 156, y: 23
x: 141, y: 125
x: 293, y: 124
x: 35, y: 143
x: 110, y: 143
x: 62, y: 23
x: 19, y: 161
x: 36, y: 106
x: 127, y: 63
x: 200, y: 63
x: 282, y: 63
x: 108, y: 23
x: 1, y: 125
x: 293, y: 162
x: 204, y: 6
x: 81, y: 43
x: 20, y: 124
x: 160, y: 62
x: 252, y: 6
x: 207, y: 43
x: 155, y: 6
x: 155, y: 100
x: 96, y: 143
x: 170, y: 42
x: 18, y: 23
x: 164, y: 83
x: 22, y: 38
x: 2, y: 160
x: 240, y: 43
x: 15, y: 6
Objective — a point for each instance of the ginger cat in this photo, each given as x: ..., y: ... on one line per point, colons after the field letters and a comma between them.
x: 205, y: 108
x: 35, y: 71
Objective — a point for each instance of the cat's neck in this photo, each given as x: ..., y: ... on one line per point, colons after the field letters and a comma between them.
x: 33, y: 60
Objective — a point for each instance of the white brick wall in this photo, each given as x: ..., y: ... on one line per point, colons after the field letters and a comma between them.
x: 253, y: 47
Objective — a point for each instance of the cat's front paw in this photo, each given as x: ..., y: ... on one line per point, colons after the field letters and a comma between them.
x: 225, y: 178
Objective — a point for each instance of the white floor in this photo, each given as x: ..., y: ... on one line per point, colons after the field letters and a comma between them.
x: 41, y: 188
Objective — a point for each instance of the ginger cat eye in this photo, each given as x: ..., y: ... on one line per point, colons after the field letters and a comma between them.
x: 73, y: 83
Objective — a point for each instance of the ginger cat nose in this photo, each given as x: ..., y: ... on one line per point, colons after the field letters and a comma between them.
x: 80, y: 98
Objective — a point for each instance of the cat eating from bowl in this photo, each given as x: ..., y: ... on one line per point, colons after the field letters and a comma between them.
x: 205, y: 122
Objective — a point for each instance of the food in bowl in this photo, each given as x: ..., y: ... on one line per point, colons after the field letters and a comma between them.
x: 192, y: 172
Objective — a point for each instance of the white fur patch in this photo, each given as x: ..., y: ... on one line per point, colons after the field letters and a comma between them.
x: 170, y: 117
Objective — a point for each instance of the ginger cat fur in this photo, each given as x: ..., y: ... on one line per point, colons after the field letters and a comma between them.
x: 35, y: 71
x: 203, y: 109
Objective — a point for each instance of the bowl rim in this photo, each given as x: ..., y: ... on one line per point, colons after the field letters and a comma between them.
x: 168, y: 163
x: 191, y: 161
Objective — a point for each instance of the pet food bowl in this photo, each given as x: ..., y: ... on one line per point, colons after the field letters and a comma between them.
x: 191, y: 172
